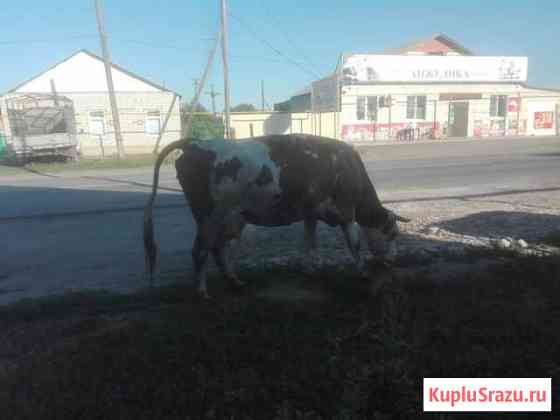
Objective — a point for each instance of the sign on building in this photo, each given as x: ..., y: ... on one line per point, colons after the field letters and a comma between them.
x: 394, y: 68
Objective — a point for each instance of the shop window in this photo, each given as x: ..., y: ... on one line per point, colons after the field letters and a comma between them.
x: 97, y: 123
x: 416, y: 107
x: 498, y: 105
x: 152, y: 125
x: 366, y: 108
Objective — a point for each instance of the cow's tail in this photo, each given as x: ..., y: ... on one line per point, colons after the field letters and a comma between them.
x: 150, y: 246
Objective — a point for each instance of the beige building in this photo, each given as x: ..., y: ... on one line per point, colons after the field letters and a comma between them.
x: 143, y: 105
x: 428, y: 89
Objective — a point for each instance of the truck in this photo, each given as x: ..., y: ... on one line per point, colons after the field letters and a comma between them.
x: 38, y: 126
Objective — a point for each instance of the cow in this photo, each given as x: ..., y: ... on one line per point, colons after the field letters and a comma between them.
x: 273, y: 180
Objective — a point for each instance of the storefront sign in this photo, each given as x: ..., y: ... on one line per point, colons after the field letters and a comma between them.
x: 543, y: 120
x: 398, y: 68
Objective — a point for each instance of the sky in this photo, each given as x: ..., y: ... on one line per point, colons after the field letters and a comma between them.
x: 286, y: 44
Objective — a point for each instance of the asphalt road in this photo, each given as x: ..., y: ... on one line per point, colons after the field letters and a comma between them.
x: 83, y: 229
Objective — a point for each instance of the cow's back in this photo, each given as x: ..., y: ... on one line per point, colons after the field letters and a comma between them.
x: 273, y: 179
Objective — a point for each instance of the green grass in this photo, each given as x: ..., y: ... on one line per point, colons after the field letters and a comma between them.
x: 167, y: 354
x: 6, y: 170
x: 133, y: 161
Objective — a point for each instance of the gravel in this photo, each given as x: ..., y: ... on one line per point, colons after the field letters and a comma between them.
x: 440, y: 237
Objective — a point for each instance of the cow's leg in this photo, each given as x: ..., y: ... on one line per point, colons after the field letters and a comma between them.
x: 352, y: 235
x: 222, y: 255
x: 310, y: 237
x: 200, y: 252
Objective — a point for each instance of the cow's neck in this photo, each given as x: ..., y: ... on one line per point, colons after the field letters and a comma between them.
x: 370, y: 212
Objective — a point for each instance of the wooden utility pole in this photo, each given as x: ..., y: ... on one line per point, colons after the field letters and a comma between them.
x: 213, y: 95
x: 262, y: 95
x: 227, y: 130
x: 109, y: 75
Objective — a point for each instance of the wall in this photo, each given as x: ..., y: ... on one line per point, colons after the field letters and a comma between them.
x: 263, y: 123
x: 133, y: 107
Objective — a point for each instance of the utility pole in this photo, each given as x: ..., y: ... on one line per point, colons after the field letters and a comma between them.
x: 109, y: 75
x: 227, y: 130
x: 213, y: 95
x: 188, y: 124
x: 262, y: 95
x: 195, y: 84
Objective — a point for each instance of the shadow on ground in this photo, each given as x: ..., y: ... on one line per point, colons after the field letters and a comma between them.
x: 322, y: 346
x: 523, y: 225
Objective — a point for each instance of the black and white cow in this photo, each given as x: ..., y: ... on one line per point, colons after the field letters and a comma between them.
x: 273, y: 180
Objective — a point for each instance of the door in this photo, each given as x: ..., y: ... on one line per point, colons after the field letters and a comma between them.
x: 458, y: 119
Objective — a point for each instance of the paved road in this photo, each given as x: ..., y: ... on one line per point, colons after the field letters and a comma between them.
x: 83, y: 230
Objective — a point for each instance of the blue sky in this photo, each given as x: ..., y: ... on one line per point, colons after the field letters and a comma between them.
x: 168, y: 41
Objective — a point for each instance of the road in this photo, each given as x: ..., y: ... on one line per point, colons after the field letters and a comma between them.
x: 83, y: 230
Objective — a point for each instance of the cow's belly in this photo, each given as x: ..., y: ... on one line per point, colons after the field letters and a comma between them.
x: 272, y: 216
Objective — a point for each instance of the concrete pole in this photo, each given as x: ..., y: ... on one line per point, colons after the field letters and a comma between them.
x: 200, y: 86
x: 164, y: 127
x: 109, y: 76
x: 227, y: 130
x: 213, y: 95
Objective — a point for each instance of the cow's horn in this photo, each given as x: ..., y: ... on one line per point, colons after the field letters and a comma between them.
x: 403, y: 219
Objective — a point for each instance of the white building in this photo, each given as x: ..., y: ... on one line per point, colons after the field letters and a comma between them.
x: 143, y: 105
x: 434, y: 88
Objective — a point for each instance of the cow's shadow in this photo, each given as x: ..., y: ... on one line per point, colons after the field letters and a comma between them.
x: 528, y: 226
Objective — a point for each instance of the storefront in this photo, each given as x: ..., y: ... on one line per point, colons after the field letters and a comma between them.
x: 435, y: 94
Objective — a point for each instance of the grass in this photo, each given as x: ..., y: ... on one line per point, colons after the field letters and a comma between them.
x: 133, y: 161
x: 167, y: 354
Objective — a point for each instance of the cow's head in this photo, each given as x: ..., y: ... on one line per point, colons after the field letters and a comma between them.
x: 381, y: 238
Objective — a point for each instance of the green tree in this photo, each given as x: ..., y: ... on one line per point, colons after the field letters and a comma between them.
x: 204, y: 124
x: 243, y: 108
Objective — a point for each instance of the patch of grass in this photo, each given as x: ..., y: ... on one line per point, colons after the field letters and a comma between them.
x: 6, y: 170
x: 349, y: 356
x: 133, y: 161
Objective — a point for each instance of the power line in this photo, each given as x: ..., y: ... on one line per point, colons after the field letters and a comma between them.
x: 188, y: 50
x: 276, y: 50
x: 285, y: 35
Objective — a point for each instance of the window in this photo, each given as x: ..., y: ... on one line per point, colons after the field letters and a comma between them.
x: 97, y: 123
x: 152, y: 122
x: 498, y: 105
x: 369, y: 104
x: 361, y: 108
x: 416, y: 107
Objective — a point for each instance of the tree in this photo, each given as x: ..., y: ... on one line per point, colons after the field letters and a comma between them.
x: 243, y: 108
x: 204, y: 124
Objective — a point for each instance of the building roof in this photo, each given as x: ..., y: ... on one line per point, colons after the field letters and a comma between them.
x: 419, y: 44
x: 96, y: 57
